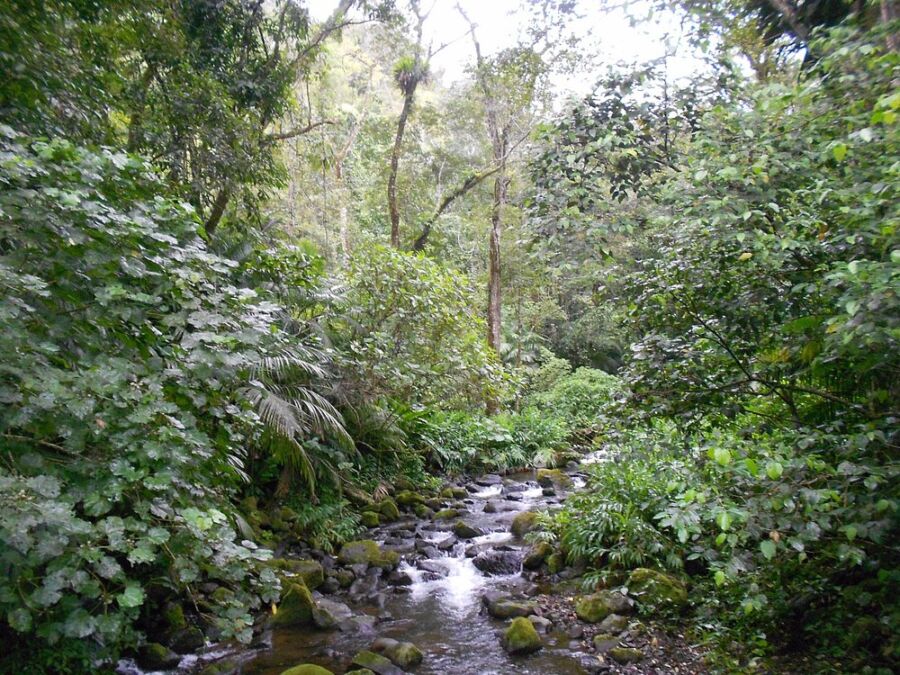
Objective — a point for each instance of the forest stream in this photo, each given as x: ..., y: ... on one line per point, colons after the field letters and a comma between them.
x: 446, y: 594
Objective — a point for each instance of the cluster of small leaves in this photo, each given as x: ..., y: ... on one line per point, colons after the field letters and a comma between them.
x: 125, y: 347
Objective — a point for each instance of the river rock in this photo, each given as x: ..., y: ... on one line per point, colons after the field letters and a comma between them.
x: 378, y: 664
x: 524, y: 523
x: 422, y: 511
x: 370, y: 519
x: 359, y: 671
x: 465, y: 531
x: 655, y: 590
x: 404, y: 655
x: 548, y: 478
x: 307, y: 669
x: 614, y: 623
x: 296, y: 606
x: 497, y: 562
x: 448, y: 543
x: 507, y: 608
x: 603, y: 642
x: 499, y: 507
x: 399, y: 579
x: 388, y: 510
x: 409, y: 498
x: 541, y: 624
x: 521, y: 637
x: 488, y: 480
x: 625, y: 655
x: 154, y: 656
x: 536, y: 555
x: 598, y: 606
x: 368, y: 552
x: 446, y: 514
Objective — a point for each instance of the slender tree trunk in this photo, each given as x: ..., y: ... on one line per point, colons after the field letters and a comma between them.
x: 888, y: 14
x: 218, y: 209
x: 494, y: 295
x: 393, y: 210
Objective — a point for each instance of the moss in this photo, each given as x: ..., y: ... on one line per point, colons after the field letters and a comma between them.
x: 360, y: 671
x: 307, y: 669
x: 367, y: 551
x: 446, y: 514
x: 154, y: 656
x: 404, y: 655
x: 556, y: 562
x: 296, y: 607
x: 614, y: 623
x: 388, y: 510
x: 603, y: 642
x: 372, y: 661
x: 227, y: 667
x: 465, y: 531
x: 596, y: 607
x: 553, y: 478
x: 173, y: 617
x: 409, y: 498
x: 655, y: 590
x: 626, y: 654
x: 509, y: 609
x: 370, y: 519
x: 422, y: 511
x: 309, y: 571
x: 521, y: 637
x: 222, y: 595
x: 524, y: 523
x: 536, y: 555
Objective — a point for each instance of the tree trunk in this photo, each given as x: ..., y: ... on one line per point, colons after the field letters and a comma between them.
x: 218, y: 209
x: 393, y: 210
x: 501, y: 183
x: 889, y: 14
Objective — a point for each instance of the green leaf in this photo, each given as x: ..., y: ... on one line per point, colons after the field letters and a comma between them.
x: 774, y: 470
x: 720, y: 577
x: 768, y: 549
x: 722, y: 456
x: 723, y: 520
x: 132, y: 596
x: 839, y: 151
x: 19, y: 620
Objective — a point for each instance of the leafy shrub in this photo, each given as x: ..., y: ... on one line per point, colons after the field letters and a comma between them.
x: 578, y: 398
x: 124, y: 352
x: 409, y: 330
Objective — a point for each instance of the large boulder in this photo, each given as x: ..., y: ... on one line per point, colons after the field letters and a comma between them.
x: 655, y: 590
x: 497, y: 562
x: 488, y: 480
x: 603, y: 642
x: 381, y: 665
x: 510, y: 609
x: 366, y: 551
x: 614, y: 623
x: 307, y: 669
x: 521, y: 637
x: 446, y: 514
x: 404, y: 655
x: 296, y: 606
x: 524, y: 523
x: 596, y: 607
x: 370, y: 519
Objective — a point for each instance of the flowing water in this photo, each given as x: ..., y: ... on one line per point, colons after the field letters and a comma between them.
x: 441, y: 610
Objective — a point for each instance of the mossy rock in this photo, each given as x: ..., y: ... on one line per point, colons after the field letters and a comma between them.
x: 536, y: 555
x: 227, y: 667
x: 422, y: 511
x: 370, y: 519
x: 187, y: 640
x: 556, y: 562
x: 524, y: 523
x: 447, y: 493
x: 309, y: 571
x: 655, y: 590
x: 154, y: 656
x: 446, y: 514
x: 173, y: 617
x: 625, y: 655
x: 296, y: 606
x: 367, y: 551
x: 521, y: 637
x: 553, y: 478
x: 465, y: 531
x: 404, y: 655
x: 404, y: 484
x: 388, y: 510
x: 409, y: 498
x: 360, y: 671
x: 510, y: 609
x: 375, y: 662
x: 614, y: 623
x: 307, y: 669
x: 603, y: 642
x: 596, y: 607
x: 222, y: 595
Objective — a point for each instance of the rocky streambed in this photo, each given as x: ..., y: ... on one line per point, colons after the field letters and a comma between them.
x: 447, y: 584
